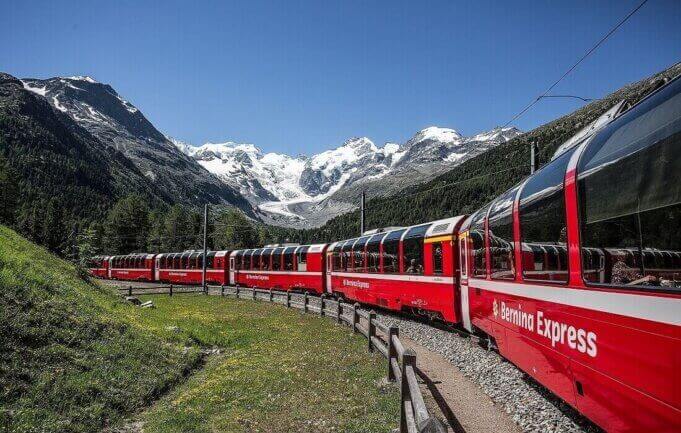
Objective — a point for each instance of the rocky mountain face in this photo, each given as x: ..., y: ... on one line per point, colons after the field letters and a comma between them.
x: 307, y: 191
x: 118, y: 125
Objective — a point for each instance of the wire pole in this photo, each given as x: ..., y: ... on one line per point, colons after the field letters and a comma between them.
x: 533, y: 157
x: 205, y: 247
x: 362, y: 213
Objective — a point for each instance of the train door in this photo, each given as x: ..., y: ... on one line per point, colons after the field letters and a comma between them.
x: 157, y: 269
x: 232, y: 271
x: 329, y: 265
x: 463, y: 281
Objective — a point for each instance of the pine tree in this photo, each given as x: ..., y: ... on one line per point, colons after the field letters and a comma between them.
x: 8, y: 193
x: 234, y: 230
x: 127, y: 226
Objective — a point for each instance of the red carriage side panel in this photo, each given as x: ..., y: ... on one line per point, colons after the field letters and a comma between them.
x: 132, y: 267
x: 592, y: 308
x: 187, y: 267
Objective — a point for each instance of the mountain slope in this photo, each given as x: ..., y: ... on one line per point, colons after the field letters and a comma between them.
x: 478, y: 180
x: 119, y: 125
x: 71, y: 358
x: 309, y: 190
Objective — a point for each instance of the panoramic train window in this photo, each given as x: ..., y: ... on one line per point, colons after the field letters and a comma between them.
x: 184, y: 260
x: 265, y: 259
x: 412, y: 249
x: 373, y: 251
x: 358, y: 254
x: 193, y: 263
x: 238, y: 260
x: 288, y: 258
x: 437, y: 257
x: 543, y: 229
x: 500, y: 225
x: 477, y: 235
x: 302, y: 258
x: 345, y: 255
x: 391, y: 250
x: 255, y: 260
x: 336, y: 257
x: 629, y: 187
x: 276, y: 259
x: 211, y: 259
x: 248, y: 260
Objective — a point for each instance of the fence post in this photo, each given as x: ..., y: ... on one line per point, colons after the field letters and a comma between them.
x: 129, y: 290
x: 372, y: 329
x: 171, y: 290
x: 408, y: 358
x: 237, y: 291
x: 288, y: 299
x: 355, y: 317
x: 222, y: 290
x: 271, y: 296
x: 307, y: 300
x: 339, y: 310
x: 392, y: 353
x: 321, y: 308
x: 254, y: 292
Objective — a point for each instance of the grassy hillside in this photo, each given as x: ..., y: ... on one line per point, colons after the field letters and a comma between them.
x: 278, y: 371
x: 71, y: 360
x: 478, y: 180
x: 74, y: 357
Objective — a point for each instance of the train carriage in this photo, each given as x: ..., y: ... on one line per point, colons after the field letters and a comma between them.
x: 411, y: 268
x: 98, y: 266
x: 132, y: 267
x: 281, y: 267
x: 187, y: 267
x: 575, y: 273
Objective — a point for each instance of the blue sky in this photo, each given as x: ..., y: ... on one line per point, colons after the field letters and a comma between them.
x: 303, y: 76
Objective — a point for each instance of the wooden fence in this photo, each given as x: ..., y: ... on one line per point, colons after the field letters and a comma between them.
x: 414, y: 416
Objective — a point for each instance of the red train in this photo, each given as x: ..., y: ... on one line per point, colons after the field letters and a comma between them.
x: 574, y: 274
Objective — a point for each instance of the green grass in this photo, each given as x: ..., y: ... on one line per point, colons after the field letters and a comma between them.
x: 74, y: 357
x: 71, y: 360
x: 281, y: 371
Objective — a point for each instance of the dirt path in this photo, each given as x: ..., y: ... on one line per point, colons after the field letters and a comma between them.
x: 455, y: 398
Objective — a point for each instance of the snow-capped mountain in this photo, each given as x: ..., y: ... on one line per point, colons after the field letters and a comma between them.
x: 98, y: 109
x: 313, y: 189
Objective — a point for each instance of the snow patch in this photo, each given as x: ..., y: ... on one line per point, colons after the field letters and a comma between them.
x: 82, y: 78
x: 57, y: 105
x: 42, y: 91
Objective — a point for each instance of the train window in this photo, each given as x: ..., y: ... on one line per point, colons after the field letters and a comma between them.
x: 265, y: 259
x: 500, y: 232
x: 373, y: 251
x: 193, y: 260
x: 358, y: 254
x: 630, y: 196
x: 288, y: 258
x: 301, y: 258
x: 276, y: 259
x: 346, y: 255
x: 543, y: 228
x: 255, y: 260
x: 211, y: 260
x: 391, y: 251
x: 412, y: 248
x: 247, y: 260
x: 336, y: 257
x: 477, y: 243
x: 437, y: 257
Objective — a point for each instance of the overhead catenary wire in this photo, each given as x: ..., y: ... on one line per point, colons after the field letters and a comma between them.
x: 577, y: 63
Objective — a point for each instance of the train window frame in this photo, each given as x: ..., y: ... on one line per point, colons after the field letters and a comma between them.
x: 346, y: 255
x: 266, y: 259
x: 393, y: 236
x: 376, y: 241
x: 302, y: 258
x: 194, y: 261
x: 617, y: 158
x: 247, y: 260
x: 553, y: 167
x: 257, y: 253
x: 417, y: 235
x: 503, y: 210
x: 478, y: 224
x: 277, y: 257
x: 289, y: 252
x: 359, y: 246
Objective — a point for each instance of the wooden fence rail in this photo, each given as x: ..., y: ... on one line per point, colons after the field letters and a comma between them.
x: 414, y: 416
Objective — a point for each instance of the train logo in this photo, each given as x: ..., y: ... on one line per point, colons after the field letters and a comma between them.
x: 495, y: 308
